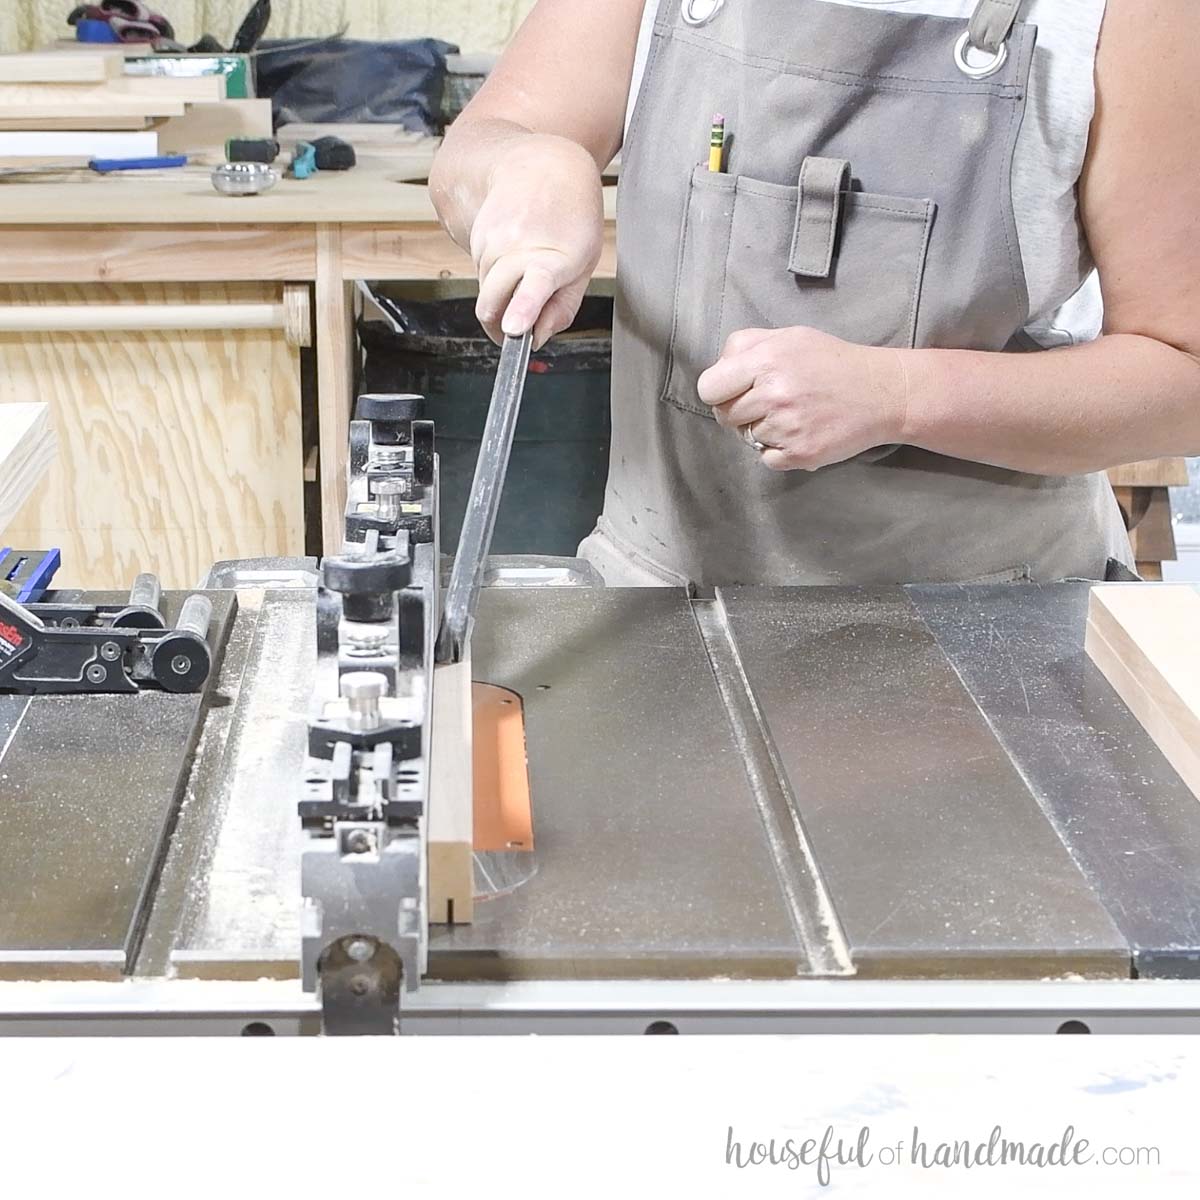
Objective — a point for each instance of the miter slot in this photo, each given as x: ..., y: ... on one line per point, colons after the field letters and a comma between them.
x: 939, y: 861
x: 1127, y: 819
x: 812, y: 910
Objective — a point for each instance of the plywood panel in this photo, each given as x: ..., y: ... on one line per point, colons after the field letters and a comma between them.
x: 176, y: 448
x: 1146, y: 640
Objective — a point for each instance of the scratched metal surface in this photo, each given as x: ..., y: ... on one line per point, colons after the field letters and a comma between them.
x: 229, y: 902
x: 88, y: 791
x: 650, y: 855
x: 1130, y: 822
x: 938, y: 859
x: 652, y: 858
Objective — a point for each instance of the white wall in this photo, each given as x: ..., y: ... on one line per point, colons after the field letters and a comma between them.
x: 473, y: 25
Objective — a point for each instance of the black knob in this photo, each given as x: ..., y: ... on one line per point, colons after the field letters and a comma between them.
x: 382, y: 573
x: 401, y: 406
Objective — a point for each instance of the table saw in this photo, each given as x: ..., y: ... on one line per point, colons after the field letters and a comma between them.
x: 759, y: 809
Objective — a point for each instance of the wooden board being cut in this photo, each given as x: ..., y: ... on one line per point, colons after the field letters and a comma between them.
x: 26, y: 451
x: 1146, y: 640
x: 451, y: 797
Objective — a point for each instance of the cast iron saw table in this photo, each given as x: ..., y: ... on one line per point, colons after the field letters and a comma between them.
x: 902, y: 808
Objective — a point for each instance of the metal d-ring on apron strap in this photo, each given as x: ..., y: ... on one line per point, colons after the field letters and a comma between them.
x: 823, y: 185
x: 699, y: 12
x: 991, y: 23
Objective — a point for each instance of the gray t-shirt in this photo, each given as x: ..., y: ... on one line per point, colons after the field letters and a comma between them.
x: 1064, y: 290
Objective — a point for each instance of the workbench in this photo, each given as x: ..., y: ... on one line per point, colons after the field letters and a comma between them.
x: 217, y: 297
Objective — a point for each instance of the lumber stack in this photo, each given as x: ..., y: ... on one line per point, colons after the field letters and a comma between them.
x: 59, y: 106
x: 1145, y: 638
x: 27, y: 447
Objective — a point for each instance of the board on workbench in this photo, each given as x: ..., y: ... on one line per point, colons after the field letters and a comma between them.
x: 1146, y: 640
x: 89, y: 789
x: 27, y: 446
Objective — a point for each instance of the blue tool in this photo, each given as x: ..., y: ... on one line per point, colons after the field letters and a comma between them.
x: 304, y: 161
x: 107, y: 165
x: 25, y: 575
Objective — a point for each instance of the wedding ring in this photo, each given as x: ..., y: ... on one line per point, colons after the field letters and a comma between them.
x: 751, y: 441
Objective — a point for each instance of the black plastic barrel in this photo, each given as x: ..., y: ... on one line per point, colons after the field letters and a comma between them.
x: 555, y: 485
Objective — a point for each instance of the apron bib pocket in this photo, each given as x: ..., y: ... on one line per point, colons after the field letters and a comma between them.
x: 752, y: 256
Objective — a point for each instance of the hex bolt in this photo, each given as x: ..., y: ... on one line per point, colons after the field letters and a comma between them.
x: 110, y: 651
x: 359, y: 841
x: 363, y: 691
x: 359, y: 949
x: 389, y: 497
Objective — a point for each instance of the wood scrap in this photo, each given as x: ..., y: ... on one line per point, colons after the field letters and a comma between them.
x: 1145, y: 638
x: 120, y: 49
x: 39, y: 101
x: 27, y: 448
x: 80, y: 122
x: 52, y: 67
x: 207, y: 127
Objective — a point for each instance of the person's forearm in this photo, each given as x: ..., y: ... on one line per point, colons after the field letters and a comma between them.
x: 1123, y: 398
x: 462, y: 170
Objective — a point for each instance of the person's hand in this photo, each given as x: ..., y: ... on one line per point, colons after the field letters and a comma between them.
x: 812, y: 399
x: 537, y: 238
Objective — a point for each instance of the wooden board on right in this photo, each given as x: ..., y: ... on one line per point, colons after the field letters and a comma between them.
x: 1145, y: 638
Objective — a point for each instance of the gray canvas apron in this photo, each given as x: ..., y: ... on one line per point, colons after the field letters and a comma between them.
x: 867, y: 194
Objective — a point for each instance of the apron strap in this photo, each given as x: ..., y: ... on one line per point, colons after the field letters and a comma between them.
x: 823, y: 184
x: 991, y: 24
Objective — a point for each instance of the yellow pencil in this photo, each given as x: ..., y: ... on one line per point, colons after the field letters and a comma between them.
x: 716, y: 146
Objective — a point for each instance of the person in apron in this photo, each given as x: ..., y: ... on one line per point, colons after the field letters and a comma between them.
x: 822, y: 371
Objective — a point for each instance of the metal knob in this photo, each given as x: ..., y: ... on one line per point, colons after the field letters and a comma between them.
x: 362, y: 691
